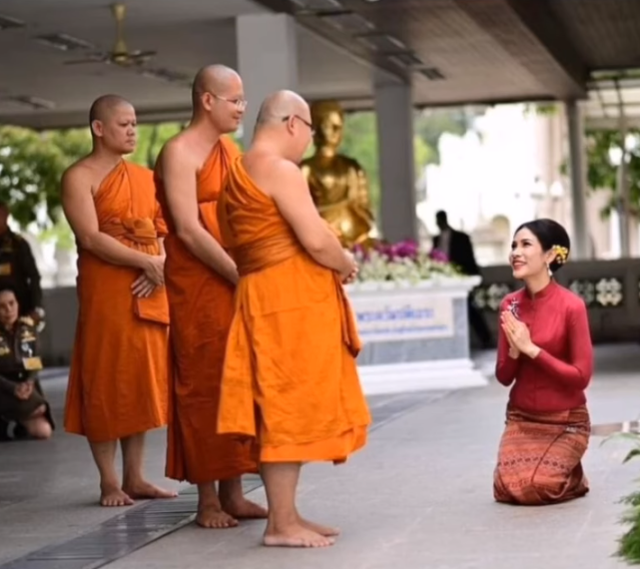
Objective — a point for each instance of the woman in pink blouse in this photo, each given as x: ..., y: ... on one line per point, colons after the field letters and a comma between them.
x: 545, y: 354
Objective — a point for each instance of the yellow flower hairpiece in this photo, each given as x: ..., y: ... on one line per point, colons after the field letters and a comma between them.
x: 562, y: 254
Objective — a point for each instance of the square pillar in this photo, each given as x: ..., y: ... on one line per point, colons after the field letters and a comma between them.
x: 267, y: 60
x: 581, y: 240
x: 394, y: 110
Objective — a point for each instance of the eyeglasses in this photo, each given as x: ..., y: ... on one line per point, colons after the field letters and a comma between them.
x: 313, y: 130
x: 240, y: 104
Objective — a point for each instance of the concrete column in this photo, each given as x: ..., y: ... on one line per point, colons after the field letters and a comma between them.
x: 623, y: 190
x: 267, y: 60
x: 581, y: 240
x: 394, y: 110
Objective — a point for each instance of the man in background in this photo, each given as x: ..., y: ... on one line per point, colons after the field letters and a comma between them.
x: 457, y: 246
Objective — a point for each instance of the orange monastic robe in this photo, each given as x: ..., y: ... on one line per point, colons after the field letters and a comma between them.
x: 119, y: 376
x: 201, y: 307
x: 290, y: 377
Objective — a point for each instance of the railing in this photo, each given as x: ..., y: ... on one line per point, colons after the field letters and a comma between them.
x: 610, y: 289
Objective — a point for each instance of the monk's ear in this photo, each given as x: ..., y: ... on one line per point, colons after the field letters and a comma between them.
x: 207, y: 100
x: 291, y: 123
x: 97, y: 128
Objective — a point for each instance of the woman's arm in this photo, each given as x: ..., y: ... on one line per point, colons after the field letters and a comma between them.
x: 578, y: 370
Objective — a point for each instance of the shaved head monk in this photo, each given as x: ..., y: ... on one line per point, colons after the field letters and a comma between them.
x: 118, y: 380
x: 290, y: 379
x: 201, y: 278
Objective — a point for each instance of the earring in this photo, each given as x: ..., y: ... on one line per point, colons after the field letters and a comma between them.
x: 549, y: 270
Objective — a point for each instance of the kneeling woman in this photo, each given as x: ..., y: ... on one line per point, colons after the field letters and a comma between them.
x: 21, y: 399
x: 545, y: 351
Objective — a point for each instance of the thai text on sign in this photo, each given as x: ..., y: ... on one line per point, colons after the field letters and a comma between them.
x: 397, y: 318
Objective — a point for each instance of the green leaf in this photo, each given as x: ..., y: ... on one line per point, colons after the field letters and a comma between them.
x: 632, y: 454
x: 31, y: 165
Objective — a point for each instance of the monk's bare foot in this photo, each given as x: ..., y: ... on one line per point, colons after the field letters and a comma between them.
x: 243, y: 509
x: 144, y: 490
x: 318, y: 528
x: 296, y: 536
x: 112, y: 496
x: 213, y: 517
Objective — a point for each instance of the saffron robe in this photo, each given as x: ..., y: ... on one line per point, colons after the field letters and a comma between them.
x: 118, y: 379
x: 201, y: 308
x: 290, y: 379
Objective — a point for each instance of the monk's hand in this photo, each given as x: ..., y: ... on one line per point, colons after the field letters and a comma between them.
x: 154, y: 269
x: 352, y: 277
x: 143, y: 287
x: 350, y: 272
x: 24, y: 390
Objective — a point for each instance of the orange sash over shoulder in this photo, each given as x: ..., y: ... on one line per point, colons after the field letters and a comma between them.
x: 293, y: 341
x: 118, y: 378
x: 201, y: 307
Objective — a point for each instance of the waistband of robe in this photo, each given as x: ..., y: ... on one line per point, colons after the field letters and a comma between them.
x: 259, y: 255
x: 137, y: 229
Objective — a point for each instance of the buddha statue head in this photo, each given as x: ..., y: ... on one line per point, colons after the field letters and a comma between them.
x: 328, y: 121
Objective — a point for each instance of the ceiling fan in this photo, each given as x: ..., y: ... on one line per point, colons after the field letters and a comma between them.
x: 120, y: 55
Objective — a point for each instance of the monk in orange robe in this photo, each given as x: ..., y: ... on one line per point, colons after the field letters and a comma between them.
x: 200, y: 280
x: 118, y: 380
x: 290, y: 379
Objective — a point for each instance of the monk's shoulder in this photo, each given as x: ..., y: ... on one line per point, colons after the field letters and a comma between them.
x: 177, y: 148
x: 141, y: 171
x: 230, y: 145
x: 79, y: 172
x: 262, y: 163
x: 275, y: 175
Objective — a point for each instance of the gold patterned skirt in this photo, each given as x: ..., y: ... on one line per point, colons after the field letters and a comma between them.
x: 539, y: 460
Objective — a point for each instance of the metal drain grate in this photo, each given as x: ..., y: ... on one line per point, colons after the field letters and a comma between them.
x: 120, y: 535
x: 152, y: 520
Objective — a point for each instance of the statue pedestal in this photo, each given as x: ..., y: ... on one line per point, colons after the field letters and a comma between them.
x: 416, y: 336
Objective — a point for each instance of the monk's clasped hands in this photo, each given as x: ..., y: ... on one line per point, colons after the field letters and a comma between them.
x: 151, y: 278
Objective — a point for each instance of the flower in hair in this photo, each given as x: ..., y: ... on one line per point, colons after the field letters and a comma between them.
x: 561, y: 254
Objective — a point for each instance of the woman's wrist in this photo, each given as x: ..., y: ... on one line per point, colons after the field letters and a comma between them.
x: 532, y: 351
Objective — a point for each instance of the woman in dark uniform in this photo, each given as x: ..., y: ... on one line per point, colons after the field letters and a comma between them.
x: 21, y: 399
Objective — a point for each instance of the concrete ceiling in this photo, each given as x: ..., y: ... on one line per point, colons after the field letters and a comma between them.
x: 186, y: 34
x: 453, y: 51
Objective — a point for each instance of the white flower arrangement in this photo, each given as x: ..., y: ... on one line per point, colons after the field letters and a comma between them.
x: 402, y: 262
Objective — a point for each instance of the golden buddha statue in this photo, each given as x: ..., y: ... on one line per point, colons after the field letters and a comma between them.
x: 338, y: 184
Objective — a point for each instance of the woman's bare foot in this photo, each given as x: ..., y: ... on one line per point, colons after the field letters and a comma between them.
x: 213, y: 517
x: 112, y: 496
x: 243, y: 509
x: 317, y: 528
x: 144, y: 490
x: 296, y: 536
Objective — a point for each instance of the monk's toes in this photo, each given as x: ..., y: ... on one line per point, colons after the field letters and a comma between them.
x: 115, y: 498
x: 146, y: 491
x: 297, y: 537
x: 215, y: 519
x: 245, y: 510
